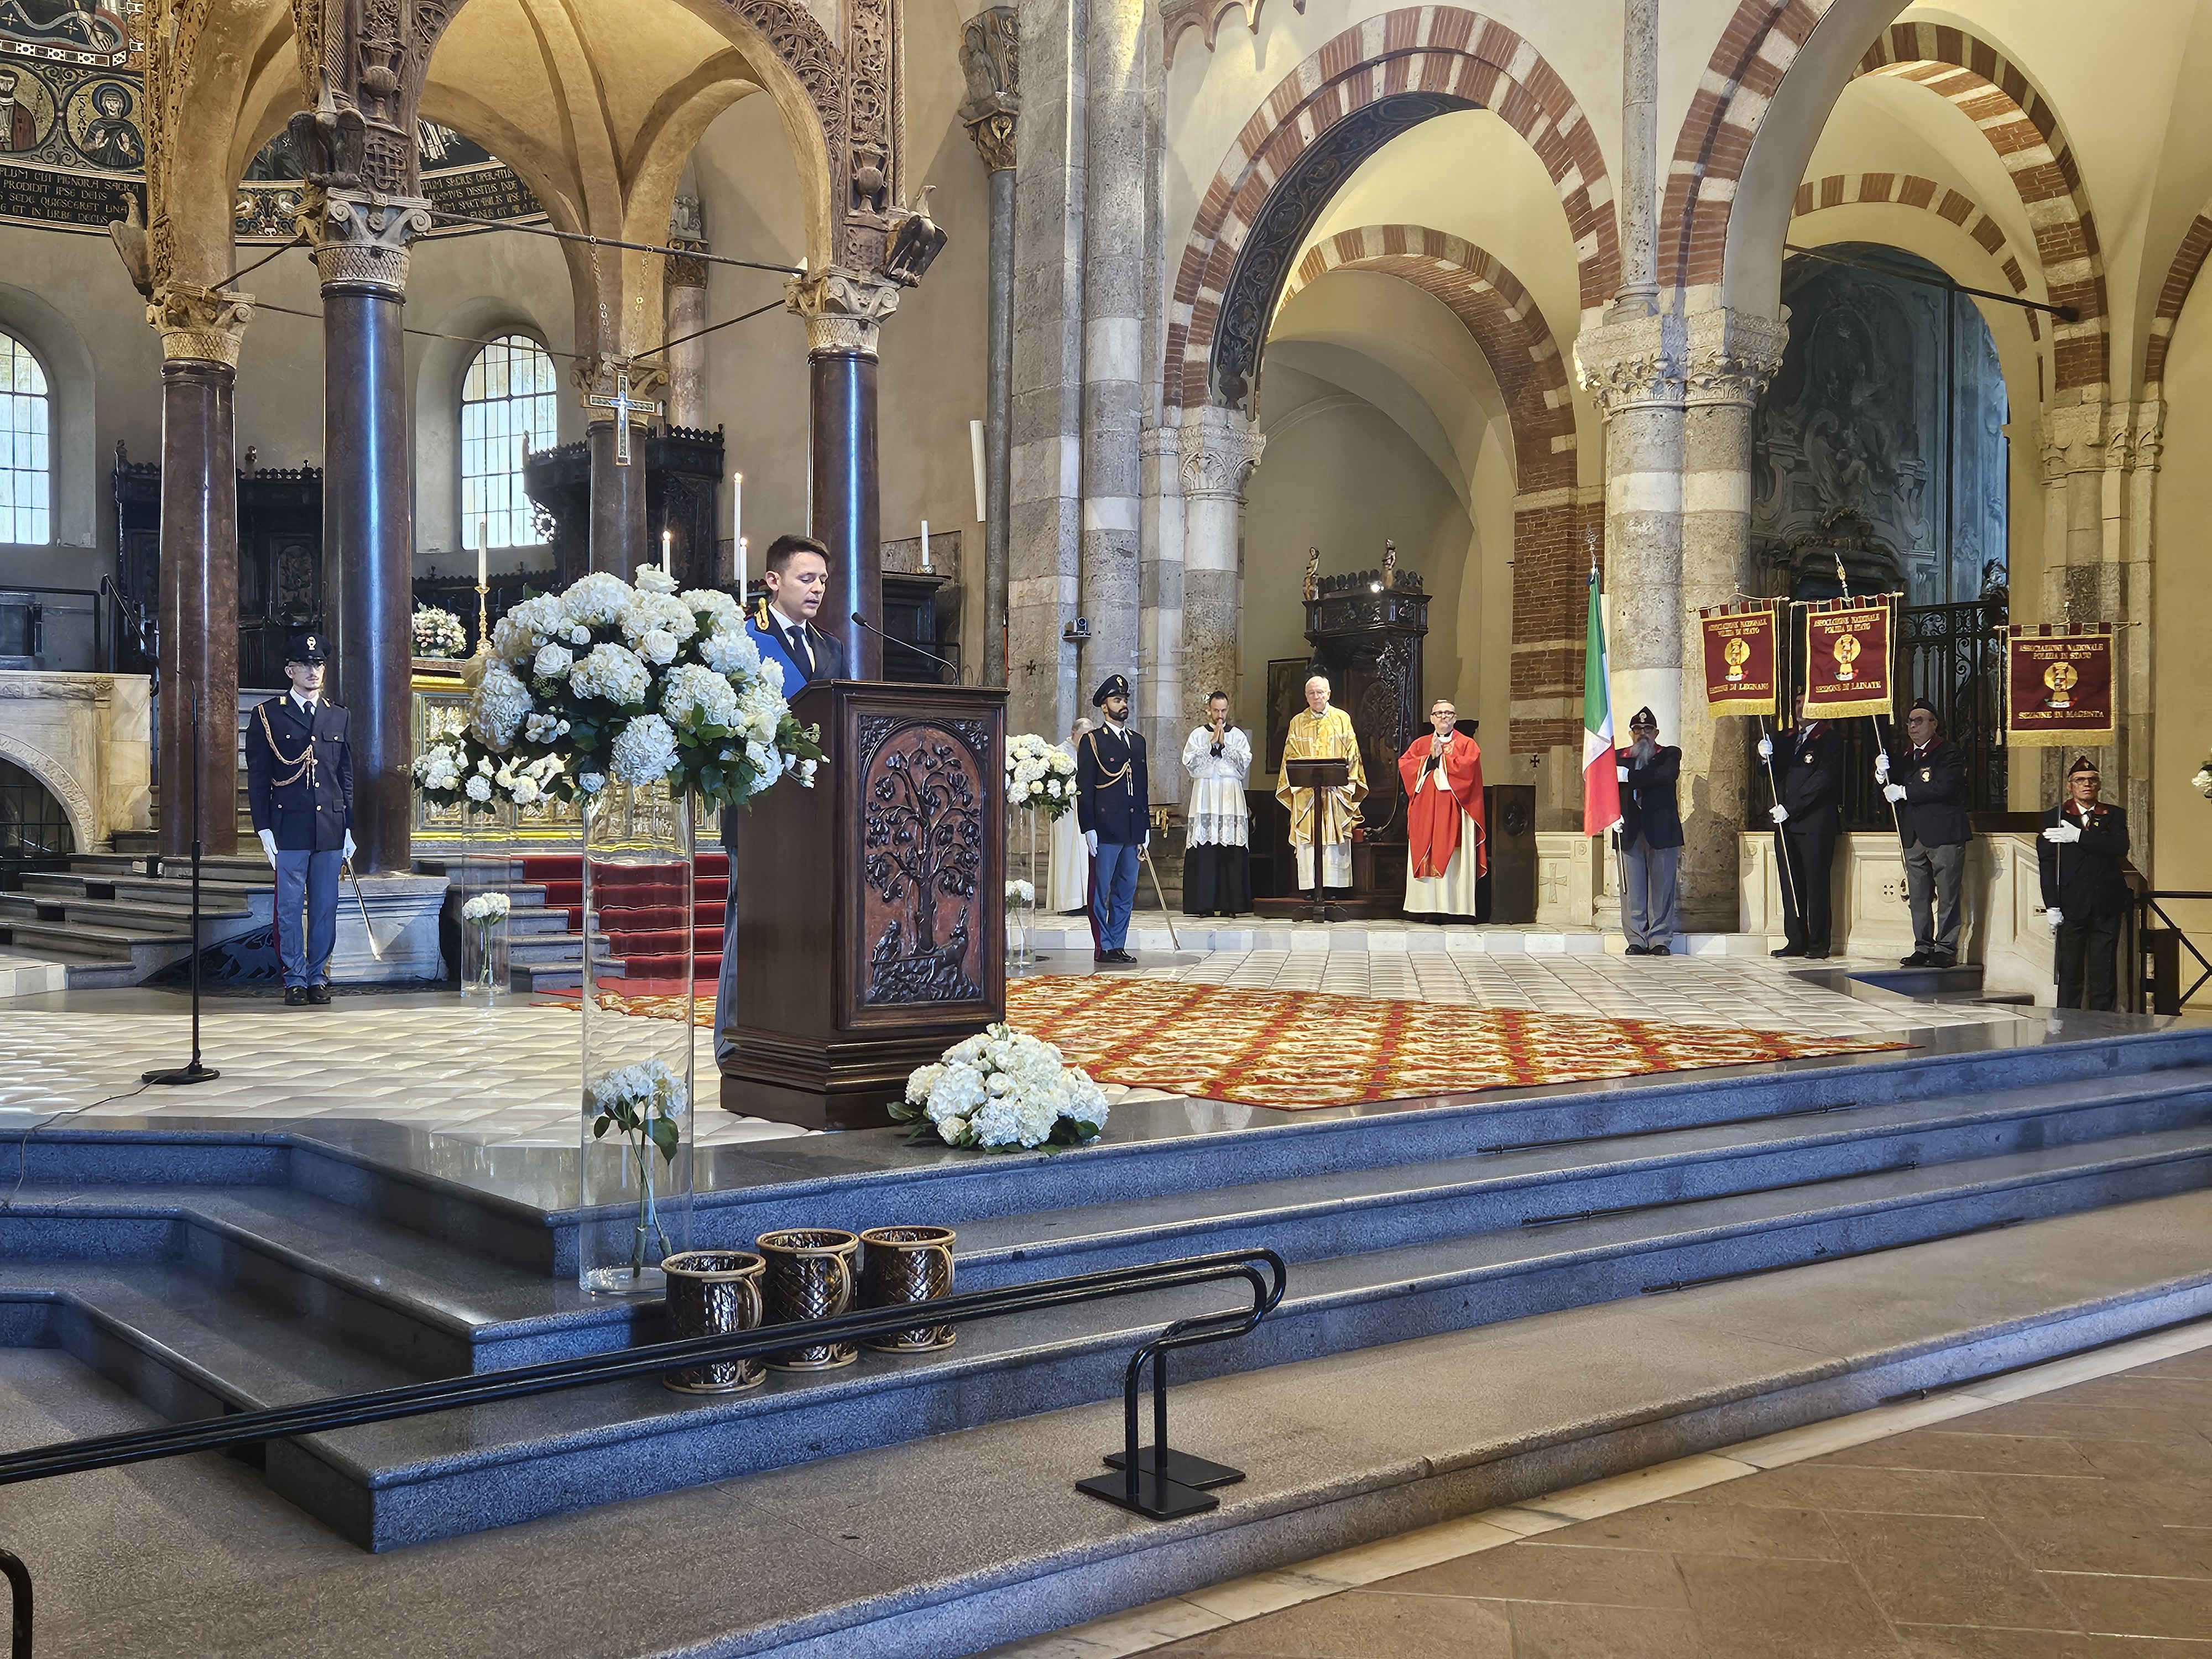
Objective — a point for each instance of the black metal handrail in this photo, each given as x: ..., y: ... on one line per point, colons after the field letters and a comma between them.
x: 2163, y: 947
x: 482, y: 1387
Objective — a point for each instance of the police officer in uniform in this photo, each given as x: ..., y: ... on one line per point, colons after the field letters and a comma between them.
x: 299, y: 772
x: 2083, y: 854
x: 1114, y: 807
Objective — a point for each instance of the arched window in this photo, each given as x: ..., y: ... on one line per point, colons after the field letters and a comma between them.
x: 506, y: 411
x: 26, y: 465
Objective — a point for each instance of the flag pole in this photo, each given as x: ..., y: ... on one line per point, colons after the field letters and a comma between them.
x: 1889, y: 677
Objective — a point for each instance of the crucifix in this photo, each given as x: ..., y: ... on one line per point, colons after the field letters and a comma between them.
x: 623, y: 403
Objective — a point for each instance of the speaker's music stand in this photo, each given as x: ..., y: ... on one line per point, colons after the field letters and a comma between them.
x: 1317, y: 776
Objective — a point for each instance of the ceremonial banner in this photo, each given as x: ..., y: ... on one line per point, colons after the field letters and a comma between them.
x: 1847, y: 658
x: 1743, y: 658
x: 2060, y: 685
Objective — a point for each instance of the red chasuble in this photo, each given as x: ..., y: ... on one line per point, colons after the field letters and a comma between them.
x: 1432, y: 816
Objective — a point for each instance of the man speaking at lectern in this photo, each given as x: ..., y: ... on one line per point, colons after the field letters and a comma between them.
x: 782, y: 624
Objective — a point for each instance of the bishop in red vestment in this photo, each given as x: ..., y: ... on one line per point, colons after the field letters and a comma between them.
x: 1446, y: 849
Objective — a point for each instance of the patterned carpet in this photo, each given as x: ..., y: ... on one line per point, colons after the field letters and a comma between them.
x: 1303, y: 1049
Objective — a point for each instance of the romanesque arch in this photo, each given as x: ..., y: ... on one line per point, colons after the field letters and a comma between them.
x: 2173, y: 294
x: 1908, y: 189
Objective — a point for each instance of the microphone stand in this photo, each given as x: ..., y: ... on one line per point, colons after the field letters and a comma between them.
x: 193, y: 1071
x: 959, y: 677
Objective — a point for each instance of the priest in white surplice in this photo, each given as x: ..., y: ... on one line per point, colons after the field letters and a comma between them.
x: 1069, y: 889
x: 1445, y: 852
x: 1216, y: 869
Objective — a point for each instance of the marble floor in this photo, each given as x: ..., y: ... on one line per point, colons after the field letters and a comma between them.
x: 2061, y: 1512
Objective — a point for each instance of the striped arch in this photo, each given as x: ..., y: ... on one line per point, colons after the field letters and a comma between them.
x: 1375, y: 80
x: 2180, y: 277
x: 1553, y: 534
x: 1740, y: 85
x: 1908, y: 189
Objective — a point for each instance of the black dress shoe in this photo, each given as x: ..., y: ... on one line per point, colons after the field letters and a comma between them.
x: 1942, y: 962
x: 1660, y: 951
x: 1119, y: 956
x: 1816, y: 956
x: 1790, y: 950
x: 318, y: 994
x: 1638, y: 951
x: 1917, y: 959
x: 295, y: 996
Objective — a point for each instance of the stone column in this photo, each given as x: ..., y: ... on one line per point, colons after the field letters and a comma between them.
x: 1162, y: 700
x: 1045, y: 496
x: 201, y: 330
x: 361, y: 249
x: 685, y: 280
x: 1640, y: 161
x: 1218, y: 449
x: 1732, y: 357
x: 990, y: 57
x: 1113, y: 333
x: 619, y: 540
x: 844, y: 312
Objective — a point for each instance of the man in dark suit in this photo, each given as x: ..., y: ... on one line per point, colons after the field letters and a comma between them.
x: 782, y: 625
x: 1809, y: 815
x: 298, y: 779
x: 1925, y: 782
x: 1114, y: 806
x: 2083, y: 856
x: 1650, y: 837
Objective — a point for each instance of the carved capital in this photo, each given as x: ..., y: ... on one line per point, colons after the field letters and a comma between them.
x: 684, y: 268
x: 205, y: 324
x: 1733, y: 356
x: 363, y: 236
x: 995, y: 140
x: 2079, y: 438
x: 990, y: 61
x: 1219, y: 448
x: 843, y: 309
x: 602, y: 377
x: 1641, y: 362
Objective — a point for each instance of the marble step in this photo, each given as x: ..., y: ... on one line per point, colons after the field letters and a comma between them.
x: 154, y: 920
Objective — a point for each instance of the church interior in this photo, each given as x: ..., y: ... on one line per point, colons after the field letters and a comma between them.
x: 1549, y: 618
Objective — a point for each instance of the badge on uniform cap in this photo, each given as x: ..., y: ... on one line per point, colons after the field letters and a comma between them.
x: 1115, y: 686
x: 304, y: 647
x: 1644, y: 717
x: 2084, y: 764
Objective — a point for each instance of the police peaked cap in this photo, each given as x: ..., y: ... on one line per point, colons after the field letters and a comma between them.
x: 1116, y: 685
x: 301, y: 647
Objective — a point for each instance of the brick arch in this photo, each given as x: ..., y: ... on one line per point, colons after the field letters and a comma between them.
x: 1499, y: 314
x: 1743, y: 77
x: 1908, y: 189
x: 2180, y: 278
x: 1422, y: 60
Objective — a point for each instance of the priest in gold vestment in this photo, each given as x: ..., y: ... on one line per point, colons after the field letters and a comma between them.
x: 1321, y: 732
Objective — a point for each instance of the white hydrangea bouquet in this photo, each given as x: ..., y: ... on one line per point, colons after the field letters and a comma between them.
x: 608, y: 683
x: 642, y: 1102
x: 1019, y: 893
x: 485, y: 913
x: 1003, y: 1090
x: 2202, y: 781
x: 438, y: 633
x: 1040, y: 775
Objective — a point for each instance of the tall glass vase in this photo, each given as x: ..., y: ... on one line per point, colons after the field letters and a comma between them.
x: 638, y: 1039
x: 480, y: 877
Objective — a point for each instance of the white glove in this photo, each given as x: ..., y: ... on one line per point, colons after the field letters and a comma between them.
x: 1624, y: 772
x: 348, y: 853
x: 1146, y: 845
x: 2055, y: 917
x: 1778, y: 811
x: 1893, y: 791
x: 2063, y: 831
x: 1766, y: 752
x: 268, y: 846
x: 1091, y: 840
x: 1882, y: 769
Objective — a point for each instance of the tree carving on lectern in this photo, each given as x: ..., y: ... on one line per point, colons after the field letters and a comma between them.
x: 923, y: 838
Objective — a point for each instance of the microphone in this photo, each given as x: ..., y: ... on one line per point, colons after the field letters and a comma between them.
x: 908, y: 645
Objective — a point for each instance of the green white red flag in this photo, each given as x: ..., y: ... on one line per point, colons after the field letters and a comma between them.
x: 1601, y: 772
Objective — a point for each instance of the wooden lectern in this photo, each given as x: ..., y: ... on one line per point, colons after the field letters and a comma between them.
x: 1317, y: 776
x: 872, y: 921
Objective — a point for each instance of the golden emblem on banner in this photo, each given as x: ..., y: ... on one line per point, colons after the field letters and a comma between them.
x: 1846, y: 653
x: 1737, y: 652
x: 2060, y: 678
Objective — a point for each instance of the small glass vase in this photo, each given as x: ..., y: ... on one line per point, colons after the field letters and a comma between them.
x: 485, y: 969
x: 638, y: 1040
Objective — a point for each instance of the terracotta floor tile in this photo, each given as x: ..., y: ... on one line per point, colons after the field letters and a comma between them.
x: 1526, y: 1572
x: 1785, y: 1610
x: 2114, y: 1606
x: 1710, y: 1528
x: 1363, y: 1625
x: 1966, y: 1452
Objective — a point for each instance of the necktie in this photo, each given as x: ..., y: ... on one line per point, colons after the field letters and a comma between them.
x: 799, y: 652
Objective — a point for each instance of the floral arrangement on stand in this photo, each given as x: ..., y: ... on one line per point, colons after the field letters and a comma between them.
x: 610, y: 682
x: 439, y: 633
x: 485, y: 913
x: 1040, y: 775
x: 1002, y: 1090
x: 642, y: 1103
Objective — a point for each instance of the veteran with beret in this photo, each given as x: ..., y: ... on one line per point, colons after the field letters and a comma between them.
x: 1925, y: 782
x: 1113, y: 807
x: 299, y: 779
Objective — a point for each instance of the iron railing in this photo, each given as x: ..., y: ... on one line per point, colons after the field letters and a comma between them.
x: 1153, y: 1480
x: 2160, y: 941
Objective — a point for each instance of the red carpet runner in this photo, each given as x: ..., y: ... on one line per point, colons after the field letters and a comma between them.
x: 643, y: 923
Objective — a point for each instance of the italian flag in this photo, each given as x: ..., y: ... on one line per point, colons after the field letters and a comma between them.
x: 1600, y: 772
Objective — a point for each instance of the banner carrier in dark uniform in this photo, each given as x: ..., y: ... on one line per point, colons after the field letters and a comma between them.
x: 298, y: 772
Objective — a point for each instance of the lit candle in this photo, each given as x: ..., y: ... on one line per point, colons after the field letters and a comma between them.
x: 925, y: 544
x: 483, y: 546
x: 738, y: 507
x: 667, y: 538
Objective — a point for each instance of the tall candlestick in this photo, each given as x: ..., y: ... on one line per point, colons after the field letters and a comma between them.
x: 483, y: 587
x: 667, y: 538
x: 738, y: 507
x: 483, y: 550
x: 925, y: 544
x: 744, y: 569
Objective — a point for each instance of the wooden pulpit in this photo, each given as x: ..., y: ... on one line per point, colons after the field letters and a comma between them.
x: 872, y: 921
x: 1317, y: 776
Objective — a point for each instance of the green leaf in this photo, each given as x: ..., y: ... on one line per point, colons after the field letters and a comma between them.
x: 600, y: 1125
x: 666, y: 1136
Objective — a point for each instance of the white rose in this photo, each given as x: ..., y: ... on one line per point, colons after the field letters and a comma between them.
x: 479, y: 789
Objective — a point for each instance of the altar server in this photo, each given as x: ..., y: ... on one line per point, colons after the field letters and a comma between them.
x: 1318, y: 731
x: 1114, y: 805
x: 1650, y: 837
x: 1216, y: 869
x: 1446, y: 851
x: 298, y: 783
x: 2084, y: 856
x: 1067, y: 891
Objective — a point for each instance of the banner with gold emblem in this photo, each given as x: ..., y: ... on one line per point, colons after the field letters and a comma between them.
x: 2059, y: 678
x: 1848, y: 665
x: 1743, y: 657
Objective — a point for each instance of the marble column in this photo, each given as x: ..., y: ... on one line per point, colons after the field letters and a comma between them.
x: 844, y: 312
x: 990, y: 58
x: 1163, y: 701
x: 685, y: 281
x: 1217, y: 451
x: 1732, y: 358
x: 1639, y: 295
x: 361, y: 250
x: 619, y: 540
x: 1113, y: 334
x: 201, y: 330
